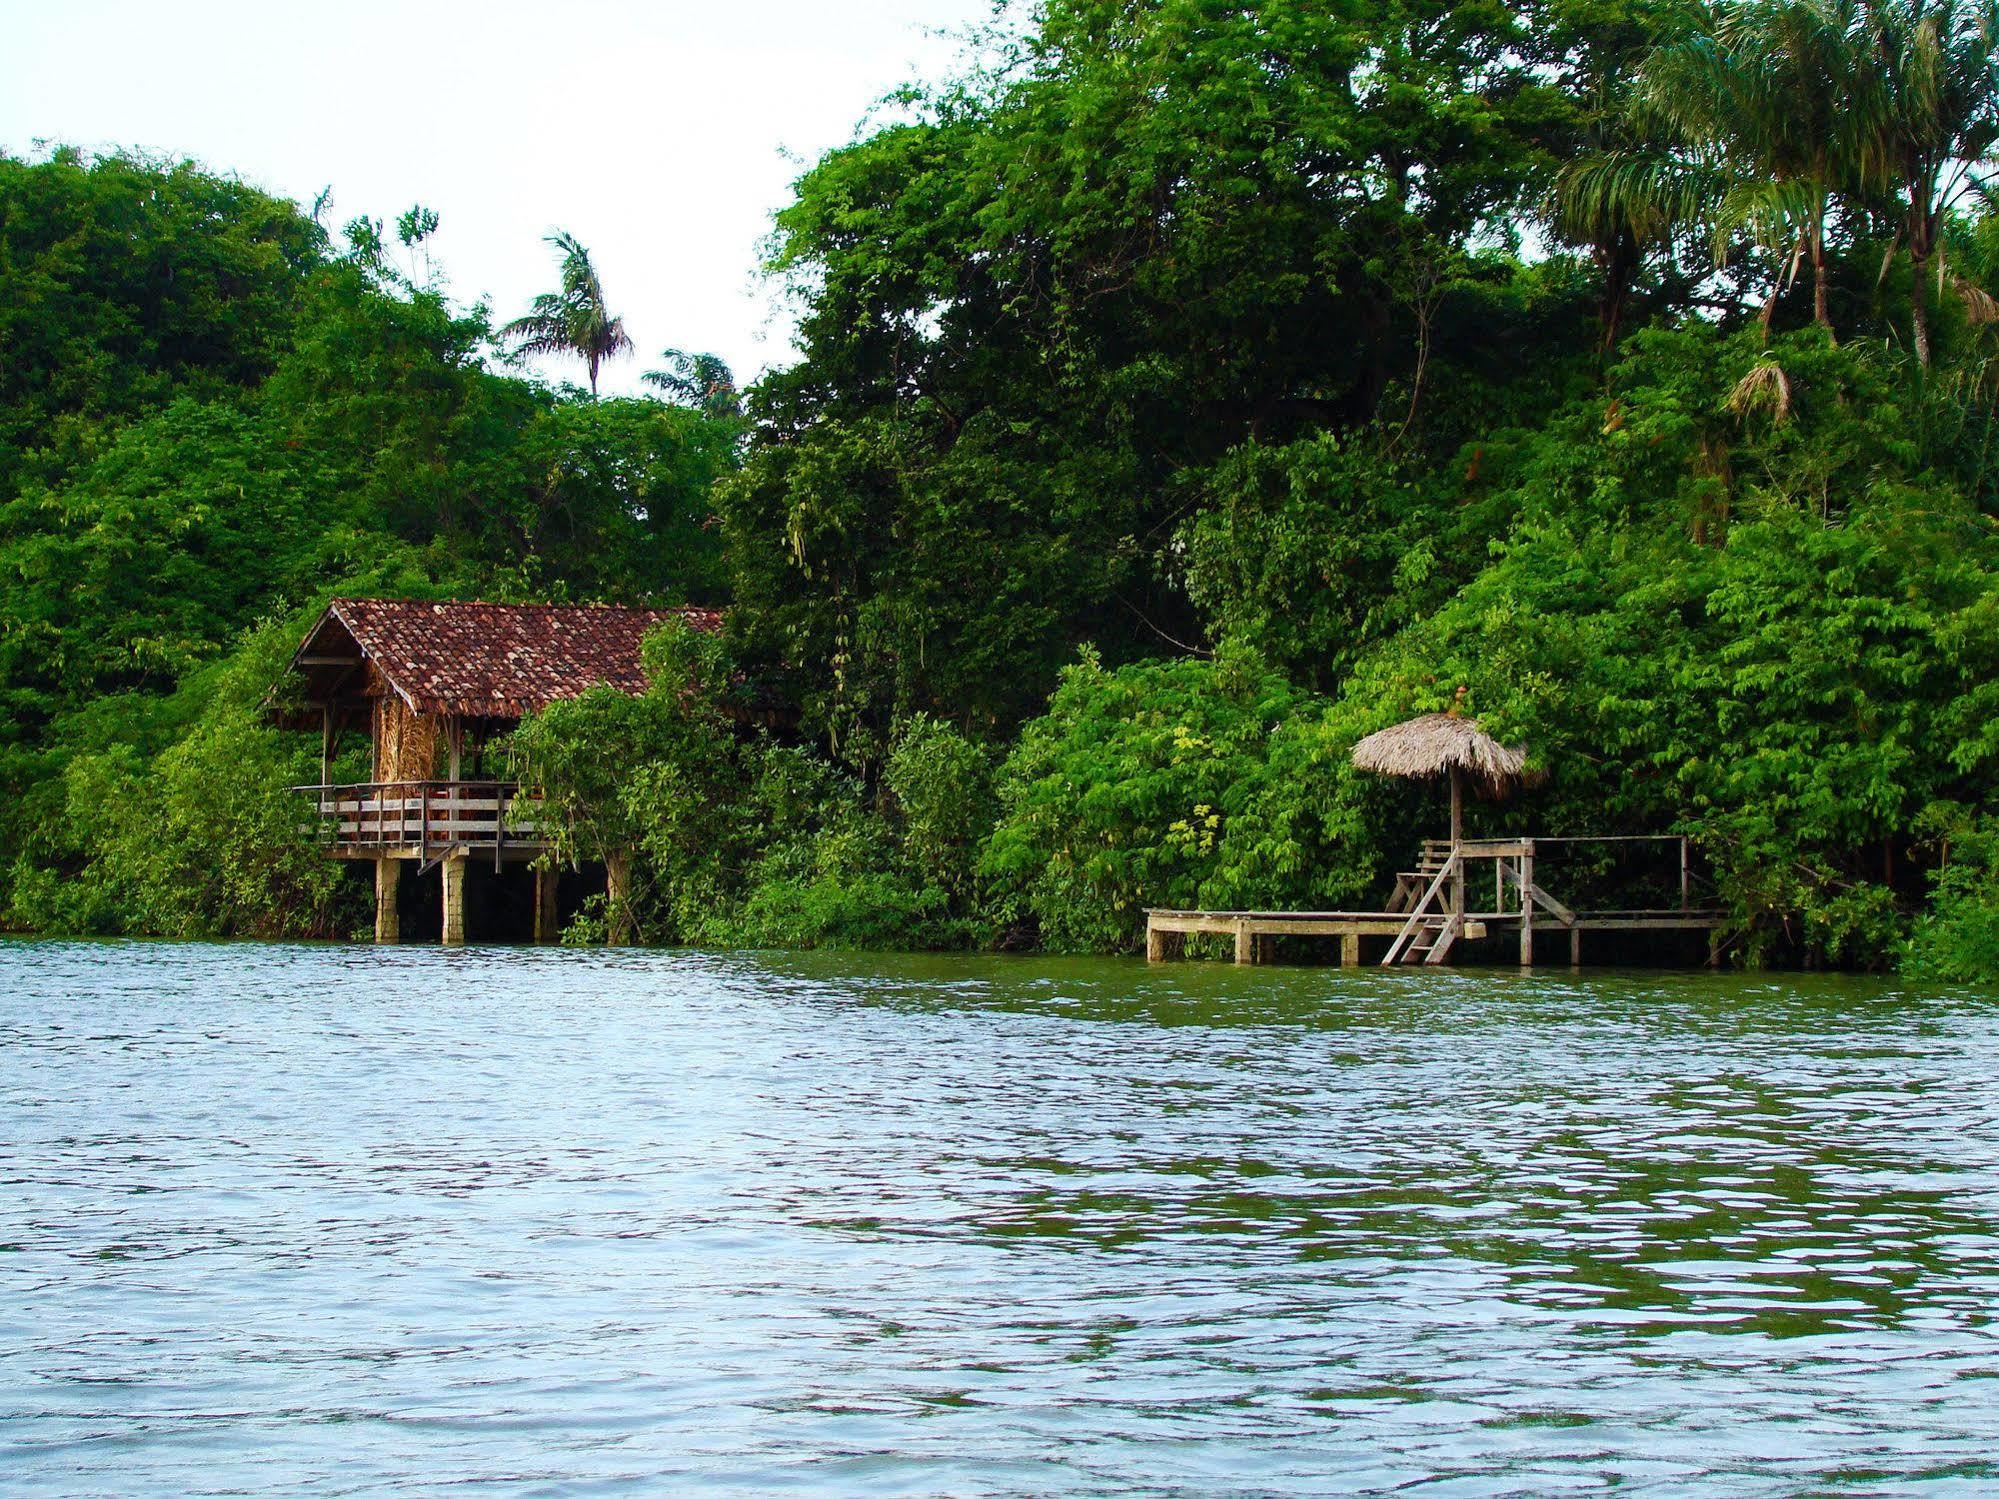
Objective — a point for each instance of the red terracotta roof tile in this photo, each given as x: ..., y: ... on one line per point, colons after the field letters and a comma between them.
x: 503, y: 660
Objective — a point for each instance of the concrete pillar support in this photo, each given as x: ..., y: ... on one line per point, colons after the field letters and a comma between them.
x: 1350, y: 950
x: 388, y: 920
x: 453, y: 868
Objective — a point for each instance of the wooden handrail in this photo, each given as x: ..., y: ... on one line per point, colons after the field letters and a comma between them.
x: 426, y: 815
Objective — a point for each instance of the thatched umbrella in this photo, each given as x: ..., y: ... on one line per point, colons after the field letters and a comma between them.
x: 1444, y: 744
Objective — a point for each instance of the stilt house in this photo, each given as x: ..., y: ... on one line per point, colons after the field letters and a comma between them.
x: 433, y: 685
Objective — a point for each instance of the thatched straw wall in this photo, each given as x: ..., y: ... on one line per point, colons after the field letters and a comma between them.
x: 405, y: 741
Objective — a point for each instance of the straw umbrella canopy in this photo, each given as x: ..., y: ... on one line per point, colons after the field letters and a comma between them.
x: 1438, y: 744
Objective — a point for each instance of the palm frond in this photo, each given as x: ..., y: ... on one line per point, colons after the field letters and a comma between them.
x: 1642, y: 193
x: 1764, y: 388
x: 1980, y: 306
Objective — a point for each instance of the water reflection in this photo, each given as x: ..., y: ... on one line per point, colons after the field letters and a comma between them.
x: 324, y: 1219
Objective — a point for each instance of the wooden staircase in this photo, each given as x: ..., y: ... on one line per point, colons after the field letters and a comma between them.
x: 1433, y: 926
x: 1433, y: 938
x: 1410, y: 883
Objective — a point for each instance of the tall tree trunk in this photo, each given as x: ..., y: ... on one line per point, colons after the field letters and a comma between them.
x: 1619, y: 267
x: 1787, y: 271
x: 1919, y: 302
x: 1818, y: 276
x: 618, y: 897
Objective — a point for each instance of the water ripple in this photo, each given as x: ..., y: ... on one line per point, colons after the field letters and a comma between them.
x: 330, y: 1220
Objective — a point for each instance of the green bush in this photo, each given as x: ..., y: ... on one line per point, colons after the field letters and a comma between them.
x: 203, y: 840
x: 1957, y: 939
x: 939, y: 786
x: 1145, y: 786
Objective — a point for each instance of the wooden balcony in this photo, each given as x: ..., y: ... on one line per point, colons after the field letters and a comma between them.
x: 421, y: 819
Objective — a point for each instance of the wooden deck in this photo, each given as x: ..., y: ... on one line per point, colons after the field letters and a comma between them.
x: 1429, y: 913
x: 1165, y: 931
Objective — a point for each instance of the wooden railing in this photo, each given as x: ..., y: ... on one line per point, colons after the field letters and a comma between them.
x: 1662, y: 869
x: 433, y: 816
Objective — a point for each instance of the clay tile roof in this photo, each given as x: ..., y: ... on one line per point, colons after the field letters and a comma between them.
x: 503, y: 660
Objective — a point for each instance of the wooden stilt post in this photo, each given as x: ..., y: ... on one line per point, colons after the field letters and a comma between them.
x: 1527, y: 908
x: 1575, y: 947
x: 453, y: 869
x: 388, y: 920
x: 546, y: 914
x: 1350, y: 950
x: 1245, y: 944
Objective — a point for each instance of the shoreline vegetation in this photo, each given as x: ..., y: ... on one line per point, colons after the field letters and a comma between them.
x: 1183, y: 395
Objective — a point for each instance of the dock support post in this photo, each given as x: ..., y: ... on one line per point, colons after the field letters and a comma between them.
x: 1350, y: 950
x: 1527, y: 910
x: 388, y: 920
x: 453, y: 868
x: 1575, y: 947
x: 546, y: 914
x: 1245, y: 944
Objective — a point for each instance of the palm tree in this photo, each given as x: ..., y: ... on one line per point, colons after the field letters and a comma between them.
x: 703, y: 381
x: 1782, y: 91
x: 573, y: 321
x: 1935, y: 122
x: 1620, y: 205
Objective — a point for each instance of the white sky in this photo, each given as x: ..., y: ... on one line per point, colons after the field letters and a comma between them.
x: 663, y: 135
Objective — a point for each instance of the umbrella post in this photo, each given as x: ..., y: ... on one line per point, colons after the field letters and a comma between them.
x: 1457, y: 840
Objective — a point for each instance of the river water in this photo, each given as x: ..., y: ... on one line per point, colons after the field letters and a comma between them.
x: 337, y: 1220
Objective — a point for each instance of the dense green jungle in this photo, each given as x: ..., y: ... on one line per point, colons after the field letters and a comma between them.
x: 1184, y: 390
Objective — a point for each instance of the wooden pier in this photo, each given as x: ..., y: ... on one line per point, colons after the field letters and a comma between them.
x: 1431, y: 912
